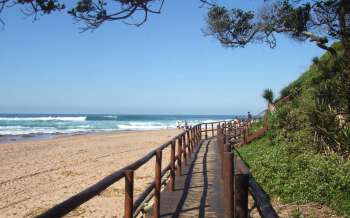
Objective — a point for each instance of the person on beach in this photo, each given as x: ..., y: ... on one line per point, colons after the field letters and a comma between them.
x: 250, y: 117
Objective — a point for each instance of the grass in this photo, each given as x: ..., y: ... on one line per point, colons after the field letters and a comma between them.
x: 256, y: 126
x: 296, y: 174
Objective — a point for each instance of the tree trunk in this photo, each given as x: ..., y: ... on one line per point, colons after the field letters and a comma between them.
x: 271, y: 107
x: 344, y: 12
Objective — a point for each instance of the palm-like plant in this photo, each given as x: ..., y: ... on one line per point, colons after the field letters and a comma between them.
x: 269, y: 96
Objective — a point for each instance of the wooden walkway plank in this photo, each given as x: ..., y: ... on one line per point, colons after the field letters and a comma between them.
x: 199, y: 191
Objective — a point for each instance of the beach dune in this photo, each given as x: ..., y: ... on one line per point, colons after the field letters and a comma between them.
x: 35, y: 175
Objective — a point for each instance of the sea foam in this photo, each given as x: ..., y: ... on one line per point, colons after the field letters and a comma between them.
x: 43, y: 118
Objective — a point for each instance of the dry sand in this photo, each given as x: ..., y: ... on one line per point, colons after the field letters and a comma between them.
x: 35, y: 175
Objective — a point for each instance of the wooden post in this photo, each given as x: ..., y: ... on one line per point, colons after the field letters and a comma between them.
x: 199, y: 137
x: 158, y: 184
x: 192, y: 139
x: 227, y: 128
x: 219, y: 138
x: 235, y: 133
x: 189, y: 142
x: 212, y: 129
x: 227, y: 148
x: 244, y: 136
x: 172, y: 167
x: 179, y: 156
x: 220, y: 143
x: 184, y: 150
x: 195, y: 136
x: 241, y: 195
x: 129, y: 193
x: 206, y: 131
x: 218, y: 130
x: 200, y: 133
x: 228, y: 185
x: 225, y: 137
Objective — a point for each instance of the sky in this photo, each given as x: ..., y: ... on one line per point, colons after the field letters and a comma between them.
x: 166, y: 66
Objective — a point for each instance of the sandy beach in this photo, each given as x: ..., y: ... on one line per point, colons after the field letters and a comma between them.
x: 35, y: 175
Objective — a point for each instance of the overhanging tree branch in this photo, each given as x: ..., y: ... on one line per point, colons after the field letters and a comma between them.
x: 316, y: 21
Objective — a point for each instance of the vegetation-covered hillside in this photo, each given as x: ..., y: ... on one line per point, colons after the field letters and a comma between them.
x: 305, y: 156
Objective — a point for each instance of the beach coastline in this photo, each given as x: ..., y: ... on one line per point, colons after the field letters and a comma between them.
x: 35, y: 175
x: 10, y: 139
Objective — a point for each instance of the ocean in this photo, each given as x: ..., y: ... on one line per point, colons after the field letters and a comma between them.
x: 55, y: 124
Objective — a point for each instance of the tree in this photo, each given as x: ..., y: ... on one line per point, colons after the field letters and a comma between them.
x: 329, y: 116
x: 93, y: 13
x: 316, y: 20
x: 269, y: 96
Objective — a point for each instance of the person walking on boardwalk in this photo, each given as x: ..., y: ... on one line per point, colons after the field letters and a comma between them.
x: 250, y: 117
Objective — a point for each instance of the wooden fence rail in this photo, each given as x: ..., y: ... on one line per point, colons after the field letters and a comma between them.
x: 186, y: 142
x: 237, y: 179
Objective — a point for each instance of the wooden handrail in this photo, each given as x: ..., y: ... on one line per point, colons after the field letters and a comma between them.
x: 263, y: 203
x: 191, y: 136
x: 243, y: 180
x: 138, y: 202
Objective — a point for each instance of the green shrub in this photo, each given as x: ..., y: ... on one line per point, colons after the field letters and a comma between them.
x: 295, y: 173
x: 318, y: 105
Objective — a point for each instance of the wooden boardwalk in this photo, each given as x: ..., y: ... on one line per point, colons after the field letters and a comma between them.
x: 199, y: 191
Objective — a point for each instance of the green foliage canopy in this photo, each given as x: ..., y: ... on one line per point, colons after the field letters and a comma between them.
x: 316, y: 20
x: 301, y: 19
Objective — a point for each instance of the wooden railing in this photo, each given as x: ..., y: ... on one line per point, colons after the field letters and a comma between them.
x: 182, y: 146
x: 237, y: 179
x: 185, y: 142
x: 249, y: 137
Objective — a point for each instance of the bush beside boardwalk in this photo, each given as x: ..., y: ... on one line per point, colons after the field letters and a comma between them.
x: 294, y: 174
x: 305, y: 157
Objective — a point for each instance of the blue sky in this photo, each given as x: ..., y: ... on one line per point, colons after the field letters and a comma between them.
x: 166, y: 66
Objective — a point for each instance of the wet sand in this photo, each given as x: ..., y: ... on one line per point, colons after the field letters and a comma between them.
x: 35, y: 175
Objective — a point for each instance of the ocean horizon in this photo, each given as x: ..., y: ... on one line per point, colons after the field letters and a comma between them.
x: 57, y: 124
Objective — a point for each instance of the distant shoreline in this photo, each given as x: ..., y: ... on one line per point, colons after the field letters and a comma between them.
x: 9, y: 139
x: 24, y: 127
